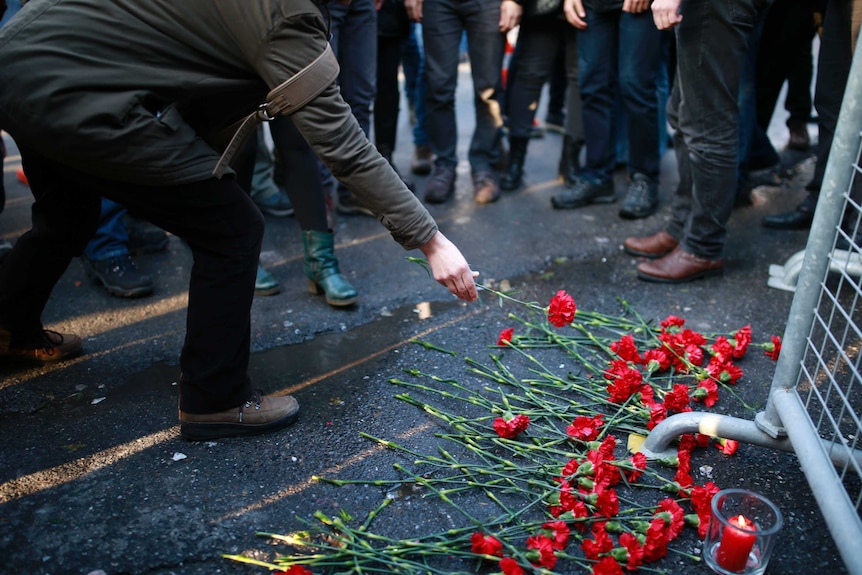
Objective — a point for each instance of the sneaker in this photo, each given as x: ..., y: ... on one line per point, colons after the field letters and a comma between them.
x: 641, y: 198
x: 584, y: 193
x: 260, y: 414
x: 349, y: 204
x: 119, y: 276
x: 422, y: 160
x: 277, y: 205
x: 485, y: 189
x: 52, y: 346
x: 144, y: 237
x: 441, y: 185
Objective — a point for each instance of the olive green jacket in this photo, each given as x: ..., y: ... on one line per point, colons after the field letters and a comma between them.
x: 142, y: 91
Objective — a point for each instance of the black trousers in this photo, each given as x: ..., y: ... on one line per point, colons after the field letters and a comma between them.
x: 218, y: 221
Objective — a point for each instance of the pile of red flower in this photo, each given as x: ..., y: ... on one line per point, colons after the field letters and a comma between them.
x: 585, y: 498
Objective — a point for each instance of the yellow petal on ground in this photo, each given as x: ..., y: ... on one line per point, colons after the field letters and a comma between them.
x: 635, y: 442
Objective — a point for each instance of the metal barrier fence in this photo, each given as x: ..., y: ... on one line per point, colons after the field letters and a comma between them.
x: 815, y: 401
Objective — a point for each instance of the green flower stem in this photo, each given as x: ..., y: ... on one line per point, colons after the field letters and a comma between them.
x: 432, y: 346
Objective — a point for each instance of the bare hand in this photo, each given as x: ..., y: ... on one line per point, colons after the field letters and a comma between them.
x: 575, y: 13
x: 510, y: 15
x: 449, y: 267
x: 665, y: 14
x: 414, y: 9
x: 635, y: 6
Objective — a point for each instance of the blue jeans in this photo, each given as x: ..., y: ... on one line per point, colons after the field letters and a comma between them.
x: 12, y: 6
x: 704, y: 112
x: 619, y: 56
x: 444, y: 22
x: 111, y: 238
x: 413, y: 65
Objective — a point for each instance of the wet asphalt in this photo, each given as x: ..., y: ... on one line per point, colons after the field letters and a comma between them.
x: 94, y: 476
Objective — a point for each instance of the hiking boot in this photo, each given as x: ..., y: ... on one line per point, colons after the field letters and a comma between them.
x: 51, y: 346
x: 119, y: 276
x: 584, y: 193
x: 641, y: 198
x: 422, y: 160
x: 441, y: 185
x: 259, y: 414
x: 485, y: 189
x: 277, y: 205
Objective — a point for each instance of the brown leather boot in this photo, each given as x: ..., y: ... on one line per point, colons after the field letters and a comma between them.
x: 679, y: 266
x: 655, y: 246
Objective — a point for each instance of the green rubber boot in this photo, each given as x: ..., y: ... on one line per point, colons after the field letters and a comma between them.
x: 321, y: 268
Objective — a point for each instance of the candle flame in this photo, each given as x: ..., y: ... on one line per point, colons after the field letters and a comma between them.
x: 742, y: 522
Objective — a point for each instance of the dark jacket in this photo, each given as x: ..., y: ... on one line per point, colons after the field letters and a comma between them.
x: 139, y: 90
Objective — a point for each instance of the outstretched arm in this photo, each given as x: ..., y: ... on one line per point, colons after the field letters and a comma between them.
x: 449, y: 267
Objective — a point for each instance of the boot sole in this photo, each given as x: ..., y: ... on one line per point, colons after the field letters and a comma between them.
x: 198, y: 431
x: 647, y: 255
x: 697, y: 276
x: 315, y: 289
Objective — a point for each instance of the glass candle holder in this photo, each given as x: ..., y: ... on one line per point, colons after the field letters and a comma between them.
x: 743, y: 528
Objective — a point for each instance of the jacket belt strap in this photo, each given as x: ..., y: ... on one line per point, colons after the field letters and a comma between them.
x: 285, y: 99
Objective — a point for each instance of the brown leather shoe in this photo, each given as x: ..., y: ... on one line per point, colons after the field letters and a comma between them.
x: 799, y: 138
x: 260, y: 414
x: 679, y: 266
x: 655, y: 246
x: 52, y: 346
x: 485, y: 189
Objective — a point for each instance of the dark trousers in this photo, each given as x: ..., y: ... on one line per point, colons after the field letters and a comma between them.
x: 620, y: 57
x: 703, y: 111
x: 444, y: 22
x: 388, y: 98
x: 833, y: 68
x: 217, y: 219
x: 785, y: 53
x: 539, y: 43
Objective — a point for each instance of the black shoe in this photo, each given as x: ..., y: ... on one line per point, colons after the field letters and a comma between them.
x: 441, y: 185
x: 584, y: 193
x: 798, y: 219
x: 641, y: 198
x: 119, y: 276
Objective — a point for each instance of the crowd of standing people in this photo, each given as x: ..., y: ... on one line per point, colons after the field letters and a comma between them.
x: 629, y: 78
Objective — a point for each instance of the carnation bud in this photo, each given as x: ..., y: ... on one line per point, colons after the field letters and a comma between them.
x: 614, y: 527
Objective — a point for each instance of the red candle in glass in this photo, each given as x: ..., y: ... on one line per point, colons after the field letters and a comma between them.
x: 736, y: 543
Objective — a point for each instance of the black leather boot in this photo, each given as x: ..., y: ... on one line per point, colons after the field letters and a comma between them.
x: 514, y: 175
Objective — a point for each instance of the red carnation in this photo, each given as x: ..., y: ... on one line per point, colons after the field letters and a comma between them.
x: 774, y: 348
x: 505, y: 336
x: 512, y: 428
x: 482, y: 544
x: 561, y: 311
